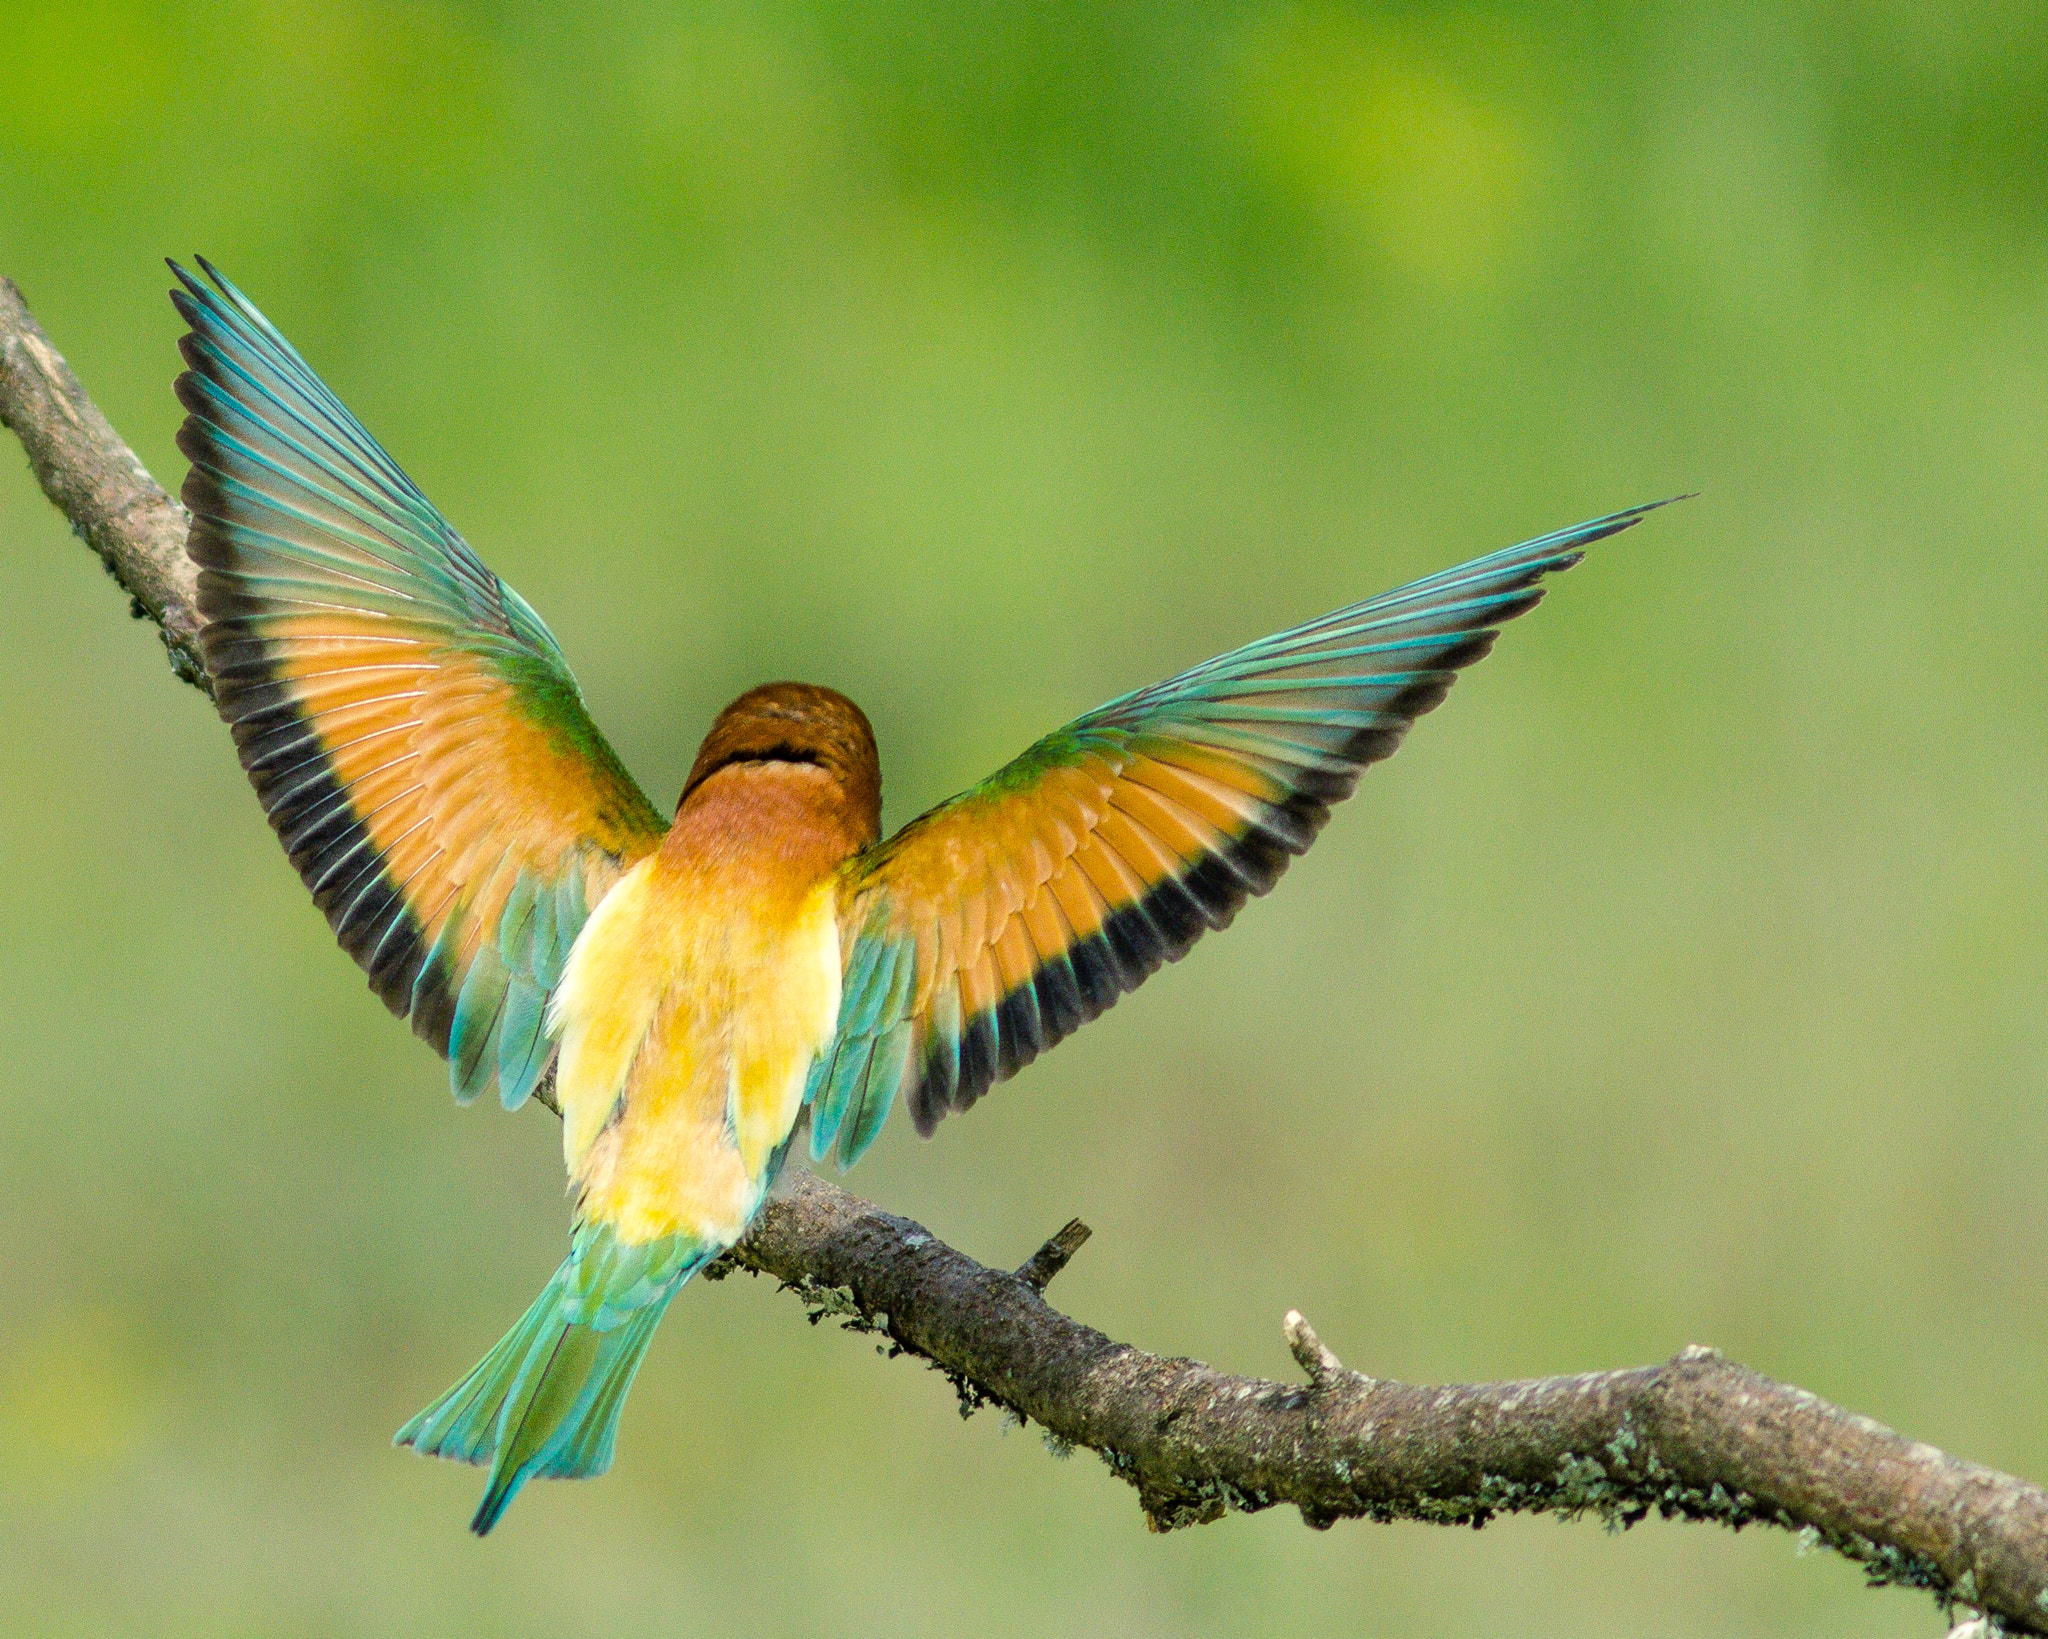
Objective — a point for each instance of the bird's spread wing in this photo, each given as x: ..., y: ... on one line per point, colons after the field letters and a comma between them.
x: 1002, y: 920
x: 408, y: 721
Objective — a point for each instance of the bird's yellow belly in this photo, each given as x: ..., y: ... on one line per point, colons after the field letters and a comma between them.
x: 689, y: 1014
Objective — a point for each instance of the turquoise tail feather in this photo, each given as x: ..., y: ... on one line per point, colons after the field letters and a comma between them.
x: 545, y: 1401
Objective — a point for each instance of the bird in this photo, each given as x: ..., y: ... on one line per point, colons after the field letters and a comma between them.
x: 694, y: 993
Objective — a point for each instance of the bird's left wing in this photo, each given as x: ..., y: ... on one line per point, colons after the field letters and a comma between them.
x: 408, y: 721
x: 1001, y: 921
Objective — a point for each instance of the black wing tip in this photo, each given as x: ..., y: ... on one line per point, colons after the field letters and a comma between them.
x: 926, y: 1112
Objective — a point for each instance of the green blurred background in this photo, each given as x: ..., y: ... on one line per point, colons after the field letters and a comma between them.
x: 1682, y: 981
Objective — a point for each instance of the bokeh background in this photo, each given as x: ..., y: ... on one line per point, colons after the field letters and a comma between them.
x: 1683, y: 980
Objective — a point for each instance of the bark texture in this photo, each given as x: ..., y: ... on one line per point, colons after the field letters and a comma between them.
x: 1698, y: 1437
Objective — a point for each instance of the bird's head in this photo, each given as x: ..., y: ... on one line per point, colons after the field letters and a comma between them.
x: 798, y: 723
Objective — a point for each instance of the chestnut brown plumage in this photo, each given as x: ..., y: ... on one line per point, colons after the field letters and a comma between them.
x: 798, y: 723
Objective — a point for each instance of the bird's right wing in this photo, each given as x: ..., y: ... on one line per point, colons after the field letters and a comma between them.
x: 1003, y: 920
x: 408, y: 722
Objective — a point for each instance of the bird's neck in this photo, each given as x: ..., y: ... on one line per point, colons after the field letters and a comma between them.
x: 790, y: 820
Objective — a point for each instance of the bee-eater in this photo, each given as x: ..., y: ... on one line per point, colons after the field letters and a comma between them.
x: 693, y: 990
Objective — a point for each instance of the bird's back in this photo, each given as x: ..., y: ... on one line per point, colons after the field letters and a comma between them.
x: 695, y: 1000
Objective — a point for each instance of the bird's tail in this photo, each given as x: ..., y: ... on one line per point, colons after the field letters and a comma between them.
x: 546, y: 1400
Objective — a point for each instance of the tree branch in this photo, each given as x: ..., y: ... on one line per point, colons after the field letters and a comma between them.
x: 1697, y: 1438
x: 98, y: 483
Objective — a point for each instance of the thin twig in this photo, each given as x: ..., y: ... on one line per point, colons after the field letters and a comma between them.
x: 1697, y: 1438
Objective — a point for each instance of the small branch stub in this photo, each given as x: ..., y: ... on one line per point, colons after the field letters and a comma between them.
x: 1038, y: 1270
x: 1312, y: 1354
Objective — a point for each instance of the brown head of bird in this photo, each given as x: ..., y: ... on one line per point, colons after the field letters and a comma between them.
x: 779, y: 727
